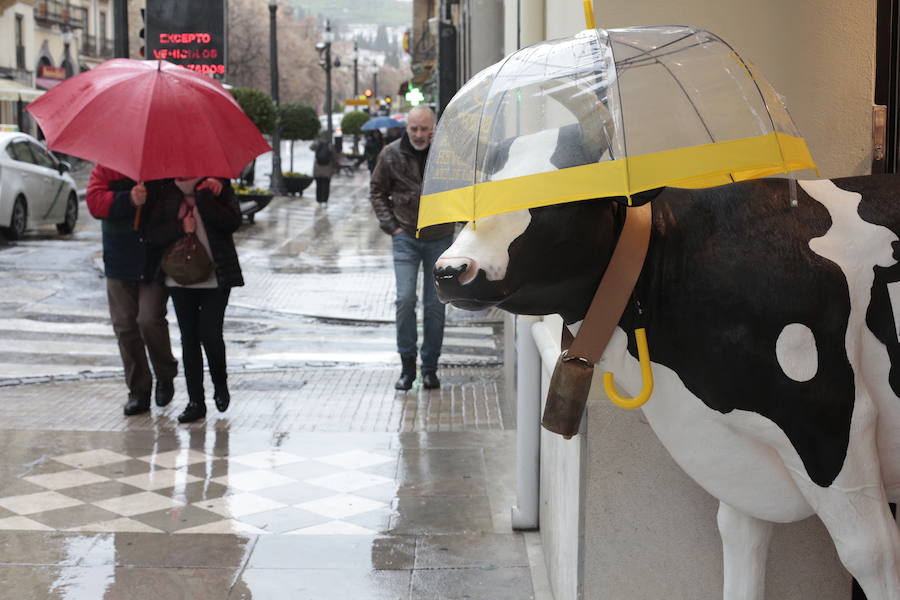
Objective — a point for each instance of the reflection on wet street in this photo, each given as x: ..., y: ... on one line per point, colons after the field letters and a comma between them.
x: 320, y: 482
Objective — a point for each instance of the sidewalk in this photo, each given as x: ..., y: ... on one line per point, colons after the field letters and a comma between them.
x: 320, y: 482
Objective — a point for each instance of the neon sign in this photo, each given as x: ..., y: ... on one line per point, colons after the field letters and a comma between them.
x: 190, y: 34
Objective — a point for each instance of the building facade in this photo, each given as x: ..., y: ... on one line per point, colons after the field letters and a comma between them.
x: 43, y: 42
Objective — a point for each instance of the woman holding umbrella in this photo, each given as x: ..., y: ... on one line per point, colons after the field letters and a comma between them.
x: 173, y: 116
x: 208, y: 209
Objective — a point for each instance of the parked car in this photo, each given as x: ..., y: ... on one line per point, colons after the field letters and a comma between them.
x: 35, y: 188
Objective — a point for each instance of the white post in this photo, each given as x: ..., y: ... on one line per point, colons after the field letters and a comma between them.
x: 528, y: 425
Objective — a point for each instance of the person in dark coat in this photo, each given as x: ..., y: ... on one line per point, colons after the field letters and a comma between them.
x: 394, y: 191
x: 209, y: 209
x: 324, y: 167
x: 374, y: 144
x: 137, y: 297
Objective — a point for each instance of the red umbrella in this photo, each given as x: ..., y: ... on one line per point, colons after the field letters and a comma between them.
x: 149, y: 120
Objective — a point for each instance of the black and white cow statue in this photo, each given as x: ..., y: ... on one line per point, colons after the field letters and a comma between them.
x: 773, y: 337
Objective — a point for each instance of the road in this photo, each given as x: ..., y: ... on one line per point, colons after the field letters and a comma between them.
x: 319, y: 291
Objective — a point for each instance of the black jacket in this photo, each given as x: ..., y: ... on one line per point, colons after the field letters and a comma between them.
x: 221, y: 217
x: 126, y: 255
x: 394, y: 191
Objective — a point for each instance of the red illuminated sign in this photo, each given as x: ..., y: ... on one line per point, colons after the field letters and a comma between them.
x: 191, y: 34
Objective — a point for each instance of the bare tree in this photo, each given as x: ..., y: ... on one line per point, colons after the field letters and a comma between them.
x: 301, y: 79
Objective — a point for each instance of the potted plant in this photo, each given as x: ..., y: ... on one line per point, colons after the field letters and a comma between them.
x: 298, y: 122
x: 295, y: 183
x: 252, y: 200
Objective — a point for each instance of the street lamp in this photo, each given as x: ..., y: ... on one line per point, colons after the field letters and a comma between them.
x: 355, y: 69
x: 324, y: 49
x: 276, y: 183
x: 355, y: 90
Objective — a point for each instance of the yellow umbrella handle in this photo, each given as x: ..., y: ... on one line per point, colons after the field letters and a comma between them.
x: 589, y: 15
x: 640, y: 336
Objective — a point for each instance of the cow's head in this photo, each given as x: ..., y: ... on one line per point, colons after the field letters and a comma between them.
x: 542, y: 260
x: 536, y: 262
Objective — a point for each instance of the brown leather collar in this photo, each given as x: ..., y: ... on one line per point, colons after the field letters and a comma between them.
x: 571, y: 379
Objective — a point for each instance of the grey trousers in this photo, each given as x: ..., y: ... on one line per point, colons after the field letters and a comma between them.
x: 138, y: 313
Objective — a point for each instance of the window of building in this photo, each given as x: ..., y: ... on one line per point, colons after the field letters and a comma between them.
x: 20, y: 42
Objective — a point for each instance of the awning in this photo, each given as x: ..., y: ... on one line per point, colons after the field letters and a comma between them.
x: 14, y: 91
x: 47, y: 83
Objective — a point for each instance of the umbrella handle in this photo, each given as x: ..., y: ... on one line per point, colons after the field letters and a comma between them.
x: 589, y: 15
x: 646, y: 376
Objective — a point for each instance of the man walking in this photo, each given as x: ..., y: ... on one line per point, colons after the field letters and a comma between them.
x: 137, y: 297
x: 394, y: 192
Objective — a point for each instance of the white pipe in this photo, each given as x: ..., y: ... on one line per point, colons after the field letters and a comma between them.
x: 548, y: 345
x: 528, y: 425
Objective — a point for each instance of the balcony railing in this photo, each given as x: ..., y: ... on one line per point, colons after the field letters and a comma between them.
x: 92, y: 47
x: 59, y: 12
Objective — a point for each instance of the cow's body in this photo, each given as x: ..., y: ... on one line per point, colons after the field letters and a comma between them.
x: 773, y: 340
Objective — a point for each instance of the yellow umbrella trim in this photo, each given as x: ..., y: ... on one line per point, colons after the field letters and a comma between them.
x: 692, y: 167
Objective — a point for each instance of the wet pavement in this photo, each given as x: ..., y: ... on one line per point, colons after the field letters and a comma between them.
x: 320, y: 482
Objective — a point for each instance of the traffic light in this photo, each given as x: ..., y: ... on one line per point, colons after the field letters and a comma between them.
x: 387, y: 99
x: 368, y: 93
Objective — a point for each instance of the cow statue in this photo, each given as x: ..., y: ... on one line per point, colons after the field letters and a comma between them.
x: 773, y: 335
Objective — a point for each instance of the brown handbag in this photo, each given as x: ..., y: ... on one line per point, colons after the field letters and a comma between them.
x: 186, y: 261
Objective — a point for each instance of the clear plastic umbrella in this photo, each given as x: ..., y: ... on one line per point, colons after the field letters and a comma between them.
x: 606, y: 113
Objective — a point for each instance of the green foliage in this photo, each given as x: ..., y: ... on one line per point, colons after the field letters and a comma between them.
x: 243, y: 190
x: 299, y: 122
x: 258, y: 106
x: 352, y: 121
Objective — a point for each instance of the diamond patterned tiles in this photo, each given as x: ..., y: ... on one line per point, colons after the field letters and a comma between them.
x: 262, y: 493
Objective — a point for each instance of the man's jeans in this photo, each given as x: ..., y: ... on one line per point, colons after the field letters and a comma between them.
x: 409, y: 252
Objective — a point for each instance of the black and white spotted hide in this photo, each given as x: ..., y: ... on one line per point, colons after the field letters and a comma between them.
x: 772, y: 331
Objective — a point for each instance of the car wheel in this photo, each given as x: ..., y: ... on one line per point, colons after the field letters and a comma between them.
x: 71, y: 216
x: 18, y: 220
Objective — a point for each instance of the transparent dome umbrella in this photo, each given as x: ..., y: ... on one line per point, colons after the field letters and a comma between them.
x: 606, y: 113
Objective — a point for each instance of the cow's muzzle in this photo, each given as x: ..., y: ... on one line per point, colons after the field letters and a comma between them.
x: 458, y: 270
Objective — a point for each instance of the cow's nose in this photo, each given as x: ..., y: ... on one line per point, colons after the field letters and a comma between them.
x: 462, y: 270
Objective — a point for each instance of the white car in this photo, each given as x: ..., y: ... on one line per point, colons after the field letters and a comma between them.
x: 35, y: 188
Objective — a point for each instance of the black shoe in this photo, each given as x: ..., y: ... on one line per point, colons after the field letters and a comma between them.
x: 136, y: 405
x: 222, y: 397
x: 165, y: 391
x: 408, y: 375
x: 430, y: 380
x: 194, y: 411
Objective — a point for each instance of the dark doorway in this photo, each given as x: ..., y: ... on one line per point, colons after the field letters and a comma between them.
x: 887, y: 81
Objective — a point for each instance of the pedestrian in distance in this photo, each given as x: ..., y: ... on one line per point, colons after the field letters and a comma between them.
x: 395, y: 188
x: 392, y: 134
x: 324, y: 167
x: 208, y: 208
x: 136, y: 295
x: 374, y: 144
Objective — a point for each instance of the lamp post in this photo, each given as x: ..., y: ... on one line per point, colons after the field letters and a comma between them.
x: 324, y: 48
x: 355, y: 69
x: 276, y: 183
x: 355, y: 90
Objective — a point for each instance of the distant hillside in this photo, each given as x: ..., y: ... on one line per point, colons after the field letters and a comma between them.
x: 381, y: 12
